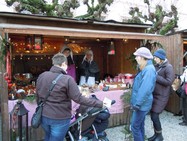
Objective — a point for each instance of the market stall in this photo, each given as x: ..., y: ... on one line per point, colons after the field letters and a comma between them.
x: 31, y: 41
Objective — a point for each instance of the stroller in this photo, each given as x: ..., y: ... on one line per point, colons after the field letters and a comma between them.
x: 90, y: 125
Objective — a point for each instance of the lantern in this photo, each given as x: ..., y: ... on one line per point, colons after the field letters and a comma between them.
x: 19, y: 123
x: 112, y: 48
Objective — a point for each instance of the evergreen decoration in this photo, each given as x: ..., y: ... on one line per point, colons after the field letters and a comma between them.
x: 131, y: 58
x: 4, y: 47
x: 127, y: 128
x: 126, y: 96
x: 30, y: 98
x: 127, y: 131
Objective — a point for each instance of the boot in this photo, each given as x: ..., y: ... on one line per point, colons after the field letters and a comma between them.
x: 152, y: 138
x: 159, y: 136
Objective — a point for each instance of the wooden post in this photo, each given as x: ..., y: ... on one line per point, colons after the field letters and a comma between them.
x: 4, y: 100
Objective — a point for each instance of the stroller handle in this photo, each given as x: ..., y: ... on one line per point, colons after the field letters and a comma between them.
x: 113, y: 102
x: 95, y: 111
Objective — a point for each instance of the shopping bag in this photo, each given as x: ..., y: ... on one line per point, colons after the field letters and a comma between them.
x: 37, y: 116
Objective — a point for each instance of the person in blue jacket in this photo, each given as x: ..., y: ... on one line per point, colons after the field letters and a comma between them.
x: 143, y: 86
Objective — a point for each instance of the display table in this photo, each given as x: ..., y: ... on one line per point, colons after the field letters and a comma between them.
x: 118, y: 115
x: 118, y: 107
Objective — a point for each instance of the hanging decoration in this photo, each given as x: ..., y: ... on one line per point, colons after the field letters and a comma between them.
x: 8, y: 66
x: 5, y: 59
x: 3, y: 50
x: 111, y: 48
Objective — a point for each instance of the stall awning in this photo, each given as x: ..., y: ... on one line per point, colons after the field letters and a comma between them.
x: 73, y: 32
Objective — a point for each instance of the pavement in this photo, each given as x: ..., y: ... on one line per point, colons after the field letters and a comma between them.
x: 172, y: 131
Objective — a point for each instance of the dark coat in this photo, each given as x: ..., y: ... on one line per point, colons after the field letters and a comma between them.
x: 89, y: 69
x: 58, y: 104
x: 164, y: 80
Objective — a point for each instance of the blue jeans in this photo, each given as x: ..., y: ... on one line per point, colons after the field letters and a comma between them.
x: 55, y: 129
x: 137, y: 125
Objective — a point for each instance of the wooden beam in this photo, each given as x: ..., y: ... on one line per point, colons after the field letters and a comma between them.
x: 52, y: 31
x: 4, y: 101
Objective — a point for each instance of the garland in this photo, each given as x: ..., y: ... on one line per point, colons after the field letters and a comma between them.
x: 3, y: 50
x: 30, y: 98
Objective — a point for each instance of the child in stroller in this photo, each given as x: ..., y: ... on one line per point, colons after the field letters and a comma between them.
x: 90, y: 124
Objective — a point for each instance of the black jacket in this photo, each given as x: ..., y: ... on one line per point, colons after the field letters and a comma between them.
x: 89, y: 69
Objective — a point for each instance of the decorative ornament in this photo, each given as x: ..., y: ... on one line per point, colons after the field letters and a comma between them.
x: 4, y: 48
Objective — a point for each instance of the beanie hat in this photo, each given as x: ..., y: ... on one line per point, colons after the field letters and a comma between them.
x: 160, y: 53
x: 144, y: 52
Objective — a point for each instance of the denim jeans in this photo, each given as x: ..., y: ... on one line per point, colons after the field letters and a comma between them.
x: 156, y: 121
x: 137, y: 125
x: 55, y: 129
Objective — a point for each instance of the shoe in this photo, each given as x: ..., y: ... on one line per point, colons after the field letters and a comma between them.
x: 183, y: 123
x: 152, y: 138
x: 159, y: 137
x: 179, y: 114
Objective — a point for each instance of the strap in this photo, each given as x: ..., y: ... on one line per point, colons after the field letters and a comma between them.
x: 54, y: 82
x: 52, y: 86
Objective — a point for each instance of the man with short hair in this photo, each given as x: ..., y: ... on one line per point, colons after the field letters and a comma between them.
x: 56, y: 113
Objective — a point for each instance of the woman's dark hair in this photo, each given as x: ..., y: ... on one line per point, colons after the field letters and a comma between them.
x: 67, y: 49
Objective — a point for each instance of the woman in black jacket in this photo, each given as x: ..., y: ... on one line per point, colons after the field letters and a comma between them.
x: 164, y: 80
x: 89, y: 71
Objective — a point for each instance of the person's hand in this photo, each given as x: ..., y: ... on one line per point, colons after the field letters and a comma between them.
x: 135, y: 107
x: 176, y: 84
x: 105, y: 105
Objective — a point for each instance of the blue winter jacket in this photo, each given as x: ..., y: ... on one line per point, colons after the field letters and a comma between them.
x: 143, y: 87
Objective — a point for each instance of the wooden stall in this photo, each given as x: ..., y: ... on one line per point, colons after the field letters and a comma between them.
x: 81, y: 34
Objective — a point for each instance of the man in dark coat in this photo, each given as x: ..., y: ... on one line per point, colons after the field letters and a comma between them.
x: 56, y: 112
x: 164, y: 80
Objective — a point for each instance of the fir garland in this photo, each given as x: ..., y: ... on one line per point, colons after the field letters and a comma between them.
x: 30, y: 98
x: 3, y: 51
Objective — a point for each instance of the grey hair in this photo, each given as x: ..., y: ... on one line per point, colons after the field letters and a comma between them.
x: 88, y: 52
x: 58, y: 59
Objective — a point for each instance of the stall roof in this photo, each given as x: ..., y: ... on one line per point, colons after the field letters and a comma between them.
x: 34, y: 24
x: 56, y: 31
x: 183, y: 32
x: 57, y: 19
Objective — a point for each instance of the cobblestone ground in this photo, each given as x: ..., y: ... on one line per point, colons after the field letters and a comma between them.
x: 172, y: 131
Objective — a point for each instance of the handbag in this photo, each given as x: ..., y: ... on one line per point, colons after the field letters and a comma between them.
x: 37, y: 116
x: 181, y: 91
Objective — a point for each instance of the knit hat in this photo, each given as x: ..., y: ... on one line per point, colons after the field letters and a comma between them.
x: 144, y: 52
x: 160, y: 53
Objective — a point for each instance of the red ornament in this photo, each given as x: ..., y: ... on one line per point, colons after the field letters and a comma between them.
x: 9, y: 81
x: 9, y: 85
x: 6, y: 78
